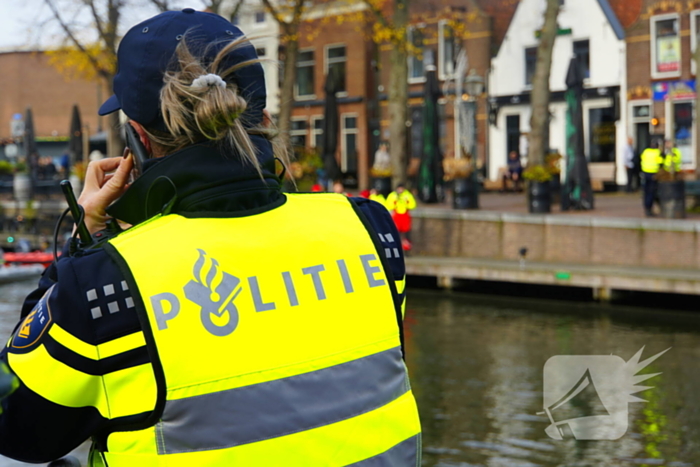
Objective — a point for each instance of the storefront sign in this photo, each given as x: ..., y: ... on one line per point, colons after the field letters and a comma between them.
x: 668, y: 54
x: 674, y: 90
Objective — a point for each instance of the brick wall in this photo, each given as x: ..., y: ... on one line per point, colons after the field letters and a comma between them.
x: 27, y: 79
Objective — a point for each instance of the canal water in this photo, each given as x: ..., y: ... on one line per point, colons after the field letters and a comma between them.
x: 477, y: 363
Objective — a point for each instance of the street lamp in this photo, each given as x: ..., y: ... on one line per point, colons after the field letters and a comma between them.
x: 466, y: 190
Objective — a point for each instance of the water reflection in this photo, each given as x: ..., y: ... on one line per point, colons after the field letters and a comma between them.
x: 476, y: 365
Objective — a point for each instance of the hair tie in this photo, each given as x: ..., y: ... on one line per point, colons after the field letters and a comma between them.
x: 208, y: 80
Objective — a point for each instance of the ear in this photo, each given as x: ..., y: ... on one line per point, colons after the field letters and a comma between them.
x: 142, y: 136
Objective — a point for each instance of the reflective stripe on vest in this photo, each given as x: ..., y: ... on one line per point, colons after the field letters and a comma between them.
x: 651, y: 160
x: 278, y: 339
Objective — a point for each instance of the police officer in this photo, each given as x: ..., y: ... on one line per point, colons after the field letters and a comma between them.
x: 652, y: 160
x: 672, y: 157
x: 229, y: 323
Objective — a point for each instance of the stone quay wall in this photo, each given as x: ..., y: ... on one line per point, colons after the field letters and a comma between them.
x: 556, y: 238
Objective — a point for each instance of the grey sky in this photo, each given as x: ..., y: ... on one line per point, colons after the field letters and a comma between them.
x: 23, y: 23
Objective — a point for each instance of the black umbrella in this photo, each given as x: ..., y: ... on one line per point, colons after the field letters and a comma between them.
x: 331, y: 127
x: 75, y: 141
x: 577, y: 193
x: 430, y: 172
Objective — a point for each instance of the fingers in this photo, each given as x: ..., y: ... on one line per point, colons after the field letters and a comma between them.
x: 105, y: 181
x: 94, y: 178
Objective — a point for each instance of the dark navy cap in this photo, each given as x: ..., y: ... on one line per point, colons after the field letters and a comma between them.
x: 148, y: 50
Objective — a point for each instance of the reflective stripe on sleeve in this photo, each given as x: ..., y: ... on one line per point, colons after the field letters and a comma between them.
x: 96, y: 352
x: 281, y: 407
x: 134, y: 384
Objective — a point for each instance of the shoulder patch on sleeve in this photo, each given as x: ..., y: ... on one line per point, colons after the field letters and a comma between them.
x: 34, y: 325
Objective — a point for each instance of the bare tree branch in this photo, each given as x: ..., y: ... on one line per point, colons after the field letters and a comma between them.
x: 275, y: 12
x: 162, y: 5
x: 71, y: 35
x: 235, y: 10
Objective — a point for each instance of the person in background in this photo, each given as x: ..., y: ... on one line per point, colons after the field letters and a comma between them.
x: 375, y: 195
x: 631, y: 166
x: 400, y: 202
x: 514, y: 171
x: 672, y: 157
x: 339, y: 188
x: 651, y: 161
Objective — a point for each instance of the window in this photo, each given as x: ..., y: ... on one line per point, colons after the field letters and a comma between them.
x: 694, y: 36
x: 305, y: 74
x: 665, y: 46
x: 335, y: 64
x: 530, y: 62
x: 449, y: 50
x: 317, y: 132
x: 583, y: 54
x: 349, y: 143
x: 261, y: 52
x: 512, y: 134
x: 415, y: 58
x: 297, y: 133
x: 259, y: 16
x: 235, y: 21
x: 601, y: 134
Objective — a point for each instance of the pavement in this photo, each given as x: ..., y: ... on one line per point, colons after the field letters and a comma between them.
x: 607, y: 204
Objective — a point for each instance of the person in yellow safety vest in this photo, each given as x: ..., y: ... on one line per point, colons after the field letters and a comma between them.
x: 672, y: 157
x: 651, y: 161
x: 230, y: 323
x: 375, y: 195
x: 400, y: 202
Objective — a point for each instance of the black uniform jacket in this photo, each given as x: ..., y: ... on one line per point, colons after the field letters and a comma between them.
x: 198, y: 181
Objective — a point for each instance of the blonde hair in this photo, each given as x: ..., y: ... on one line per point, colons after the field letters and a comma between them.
x: 195, y: 114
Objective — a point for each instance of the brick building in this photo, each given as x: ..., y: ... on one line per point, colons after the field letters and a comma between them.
x: 661, y: 38
x: 28, y: 80
x: 326, y: 42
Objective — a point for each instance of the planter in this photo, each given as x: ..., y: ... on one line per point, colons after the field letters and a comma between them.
x: 672, y: 199
x: 22, y: 187
x: 555, y: 189
x: 465, y: 193
x: 382, y: 185
x: 539, y: 197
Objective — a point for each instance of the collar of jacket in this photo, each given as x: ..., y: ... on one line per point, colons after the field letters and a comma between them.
x: 200, y: 181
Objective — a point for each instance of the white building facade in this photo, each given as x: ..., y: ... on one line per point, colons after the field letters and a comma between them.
x: 589, y: 29
x: 264, y: 33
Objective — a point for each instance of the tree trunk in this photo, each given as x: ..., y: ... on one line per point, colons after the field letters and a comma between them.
x: 398, y: 97
x: 540, y: 86
x: 291, y: 52
x: 115, y: 143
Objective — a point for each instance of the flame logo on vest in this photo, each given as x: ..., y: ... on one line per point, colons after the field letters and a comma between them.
x: 215, y: 292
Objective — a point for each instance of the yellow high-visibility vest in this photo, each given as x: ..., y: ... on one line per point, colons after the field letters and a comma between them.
x: 379, y: 198
x: 674, y: 160
x: 276, y: 345
x: 400, y: 203
x: 651, y: 160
